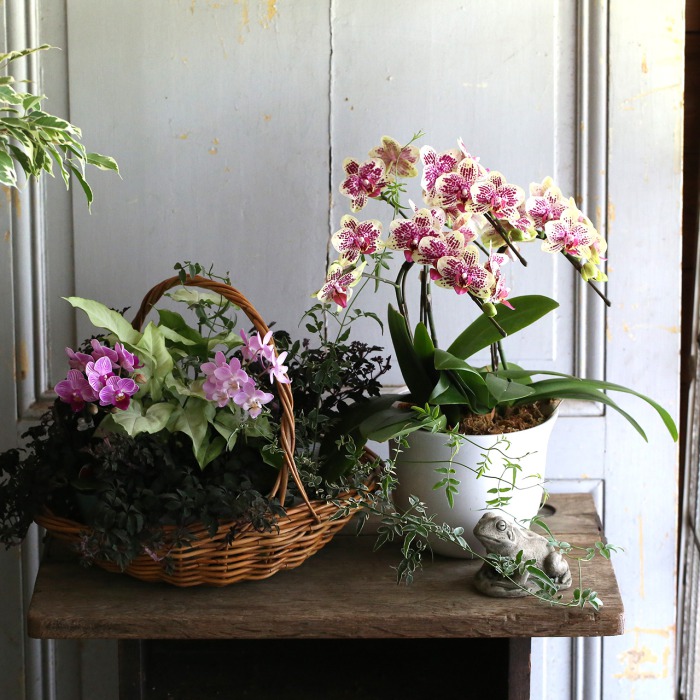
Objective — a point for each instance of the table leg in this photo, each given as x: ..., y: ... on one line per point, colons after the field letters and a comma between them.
x: 519, y: 668
x: 132, y: 671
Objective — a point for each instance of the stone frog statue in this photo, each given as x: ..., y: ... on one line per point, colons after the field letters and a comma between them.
x: 501, y: 536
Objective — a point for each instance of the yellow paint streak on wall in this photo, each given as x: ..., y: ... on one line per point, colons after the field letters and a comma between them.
x: 267, y: 117
x: 214, y: 150
x: 245, y: 18
x: 16, y: 201
x: 7, y: 236
x: 23, y: 363
x: 185, y: 136
x: 270, y: 14
x: 640, y: 520
x: 640, y: 662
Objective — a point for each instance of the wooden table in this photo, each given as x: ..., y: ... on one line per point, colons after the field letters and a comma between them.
x: 325, y: 621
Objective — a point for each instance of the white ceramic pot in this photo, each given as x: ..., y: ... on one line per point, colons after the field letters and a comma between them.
x: 416, y: 473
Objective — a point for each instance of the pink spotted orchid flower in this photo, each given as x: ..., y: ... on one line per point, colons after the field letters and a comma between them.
x: 568, y: 234
x: 399, y: 161
x: 339, y: 282
x: 464, y: 274
x: 407, y: 234
x: 362, y: 181
x: 492, y: 194
x: 355, y: 238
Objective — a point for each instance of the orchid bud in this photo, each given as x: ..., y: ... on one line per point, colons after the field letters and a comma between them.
x: 92, y: 409
x: 589, y: 271
x: 489, y: 310
x: 139, y: 378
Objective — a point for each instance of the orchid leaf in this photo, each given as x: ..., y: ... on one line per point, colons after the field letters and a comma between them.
x: 504, y: 390
x: 411, y: 364
x: 592, y: 390
x: 394, y: 422
x: 482, y: 333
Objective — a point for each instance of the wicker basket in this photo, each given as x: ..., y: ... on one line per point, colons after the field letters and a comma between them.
x: 251, y: 555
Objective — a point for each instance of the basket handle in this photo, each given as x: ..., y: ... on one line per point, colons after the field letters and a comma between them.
x: 287, y: 431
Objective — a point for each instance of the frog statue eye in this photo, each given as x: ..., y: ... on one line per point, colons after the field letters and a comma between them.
x: 501, y: 525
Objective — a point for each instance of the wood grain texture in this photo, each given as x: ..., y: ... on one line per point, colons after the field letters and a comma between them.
x: 344, y: 591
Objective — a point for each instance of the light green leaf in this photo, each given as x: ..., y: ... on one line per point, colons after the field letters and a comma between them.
x: 209, y: 450
x: 152, y: 421
x: 191, y: 296
x: 8, y: 176
x: 102, y: 162
x: 193, y: 419
x: 104, y: 317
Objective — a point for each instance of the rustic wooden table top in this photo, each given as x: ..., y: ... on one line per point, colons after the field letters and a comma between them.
x: 344, y: 591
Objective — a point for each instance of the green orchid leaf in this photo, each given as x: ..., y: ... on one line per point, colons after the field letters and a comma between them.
x: 482, y: 333
x: 447, y: 392
x: 413, y: 370
x: 575, y: 391
x: 504, y: 390
x: 593, y: 389
x: 468, y: 378
x: 104, y: 317
x: 394, y: 422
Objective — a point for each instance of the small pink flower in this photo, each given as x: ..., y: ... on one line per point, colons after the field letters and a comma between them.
x: 252, y: 399
x: 256, y: 347
x: 75, y: 390
x: 99, y: 350
x: 224, y: 378
x: 118, y: 392
x: 127, y: 360
x: 355, y: 239
x: 78, y: 360
x: 277, y: 370
x: 363, y: 180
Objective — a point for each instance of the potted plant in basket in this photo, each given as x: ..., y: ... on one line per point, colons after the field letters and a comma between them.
x: 174, y: 452
x: 466, y: 438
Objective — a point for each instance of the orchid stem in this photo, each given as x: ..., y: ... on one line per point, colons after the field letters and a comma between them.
x: 495, y: 323
x: 499, y: 227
